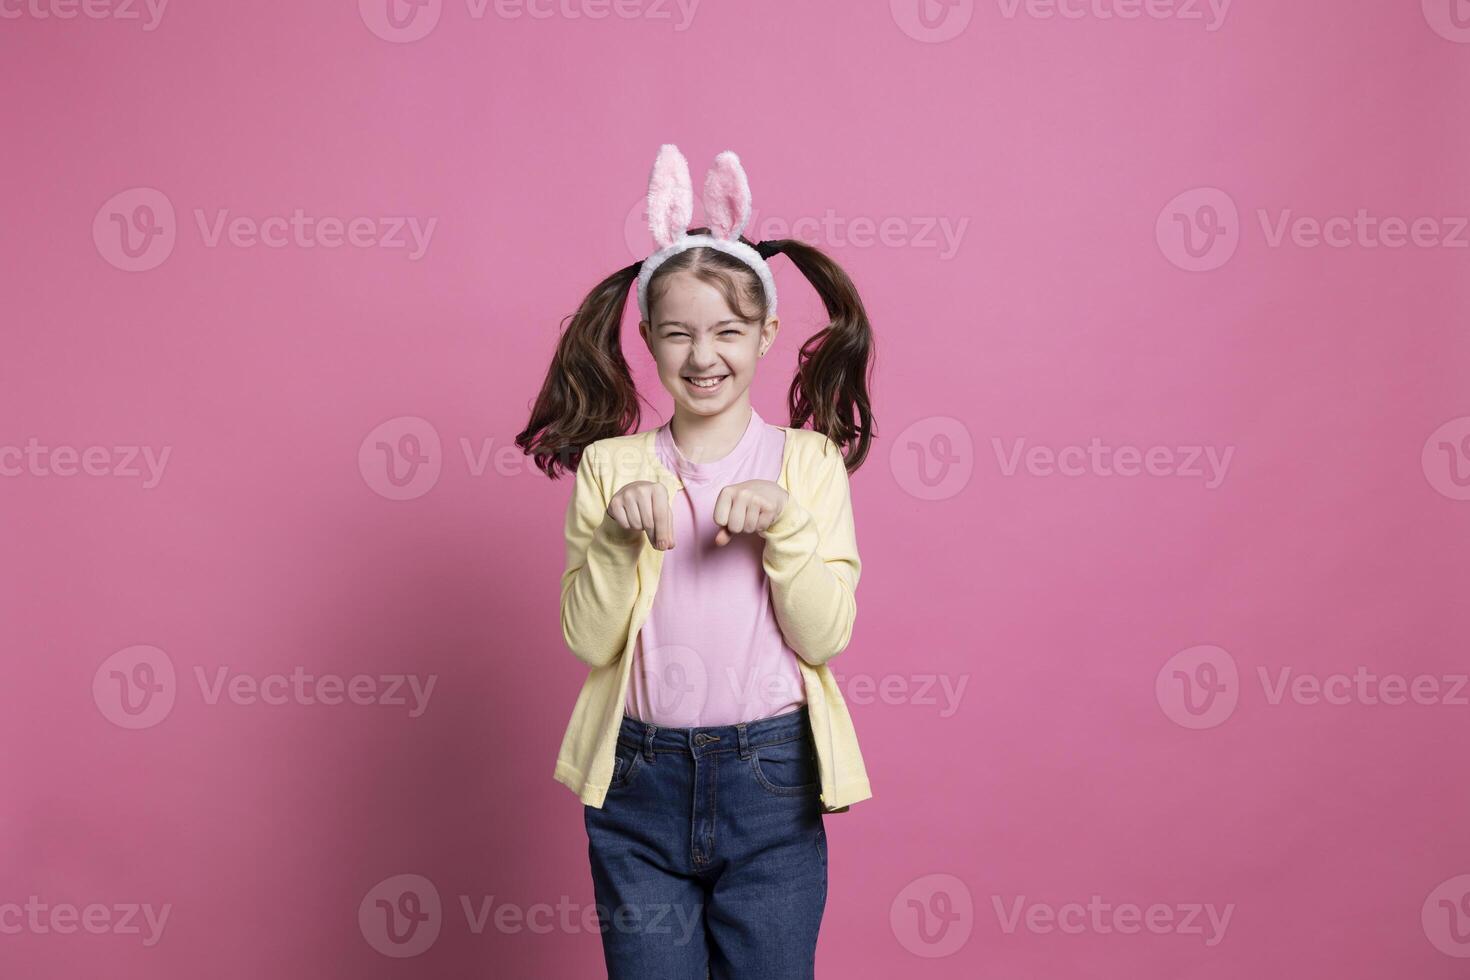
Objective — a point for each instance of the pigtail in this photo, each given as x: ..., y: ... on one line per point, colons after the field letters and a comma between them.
x: 834, y: 366
x: 588, y: 393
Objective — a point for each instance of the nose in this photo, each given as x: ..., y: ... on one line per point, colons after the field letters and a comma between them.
x: 702, y: 355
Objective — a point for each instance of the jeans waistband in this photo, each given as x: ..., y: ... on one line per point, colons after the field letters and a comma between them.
x: 715, y: 738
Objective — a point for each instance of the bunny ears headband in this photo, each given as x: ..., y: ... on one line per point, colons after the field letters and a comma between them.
x: 726, y: 208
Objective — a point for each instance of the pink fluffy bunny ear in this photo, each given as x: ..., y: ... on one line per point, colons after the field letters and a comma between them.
x: 670, y: 196
x: 726, y: 197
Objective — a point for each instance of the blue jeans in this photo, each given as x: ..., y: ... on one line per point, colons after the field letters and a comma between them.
x: 709, y: 856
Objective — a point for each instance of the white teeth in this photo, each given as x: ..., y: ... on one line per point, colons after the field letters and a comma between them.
x: 706, y: 382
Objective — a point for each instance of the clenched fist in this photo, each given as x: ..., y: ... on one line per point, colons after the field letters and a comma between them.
x: 746, y: 508
x: 644, y: 506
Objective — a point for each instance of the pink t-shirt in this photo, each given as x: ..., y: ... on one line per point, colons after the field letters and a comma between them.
x: 711, y: 651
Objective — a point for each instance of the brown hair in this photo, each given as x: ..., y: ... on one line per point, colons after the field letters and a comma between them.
x: 589, y: 394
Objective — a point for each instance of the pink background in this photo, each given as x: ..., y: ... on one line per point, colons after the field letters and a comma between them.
x: 1075, y: 763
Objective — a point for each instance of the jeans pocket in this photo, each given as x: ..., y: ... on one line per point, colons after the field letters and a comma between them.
x: 786, y: 768
x: 627, y: 760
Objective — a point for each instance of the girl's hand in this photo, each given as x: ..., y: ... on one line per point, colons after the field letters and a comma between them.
x: 644, y: 506
x: 743, y: 508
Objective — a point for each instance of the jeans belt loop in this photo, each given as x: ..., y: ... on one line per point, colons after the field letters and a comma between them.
x: 648, y: 742
x: 743, y: 739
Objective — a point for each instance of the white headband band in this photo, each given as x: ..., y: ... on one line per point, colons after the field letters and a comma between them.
x: 726, y: 206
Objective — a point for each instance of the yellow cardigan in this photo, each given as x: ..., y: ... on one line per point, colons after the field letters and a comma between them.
x: 810, y: 559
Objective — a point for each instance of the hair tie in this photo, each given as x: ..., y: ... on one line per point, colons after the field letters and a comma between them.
x: 726, y: 207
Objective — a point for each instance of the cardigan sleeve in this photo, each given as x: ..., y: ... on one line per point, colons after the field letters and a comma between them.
x: 811, y: 559
x: 600, y: 584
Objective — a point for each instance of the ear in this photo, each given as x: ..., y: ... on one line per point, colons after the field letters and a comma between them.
x: 726, y: 197
x: 670, y: 196
x: 768, y: 333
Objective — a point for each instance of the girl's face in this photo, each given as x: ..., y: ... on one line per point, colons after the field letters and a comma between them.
x: 696, y: 337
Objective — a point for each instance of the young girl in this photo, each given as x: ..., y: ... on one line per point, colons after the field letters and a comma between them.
x: 711, y: 567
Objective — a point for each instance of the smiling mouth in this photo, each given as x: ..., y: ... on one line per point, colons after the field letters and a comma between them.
x: 706, y: 383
